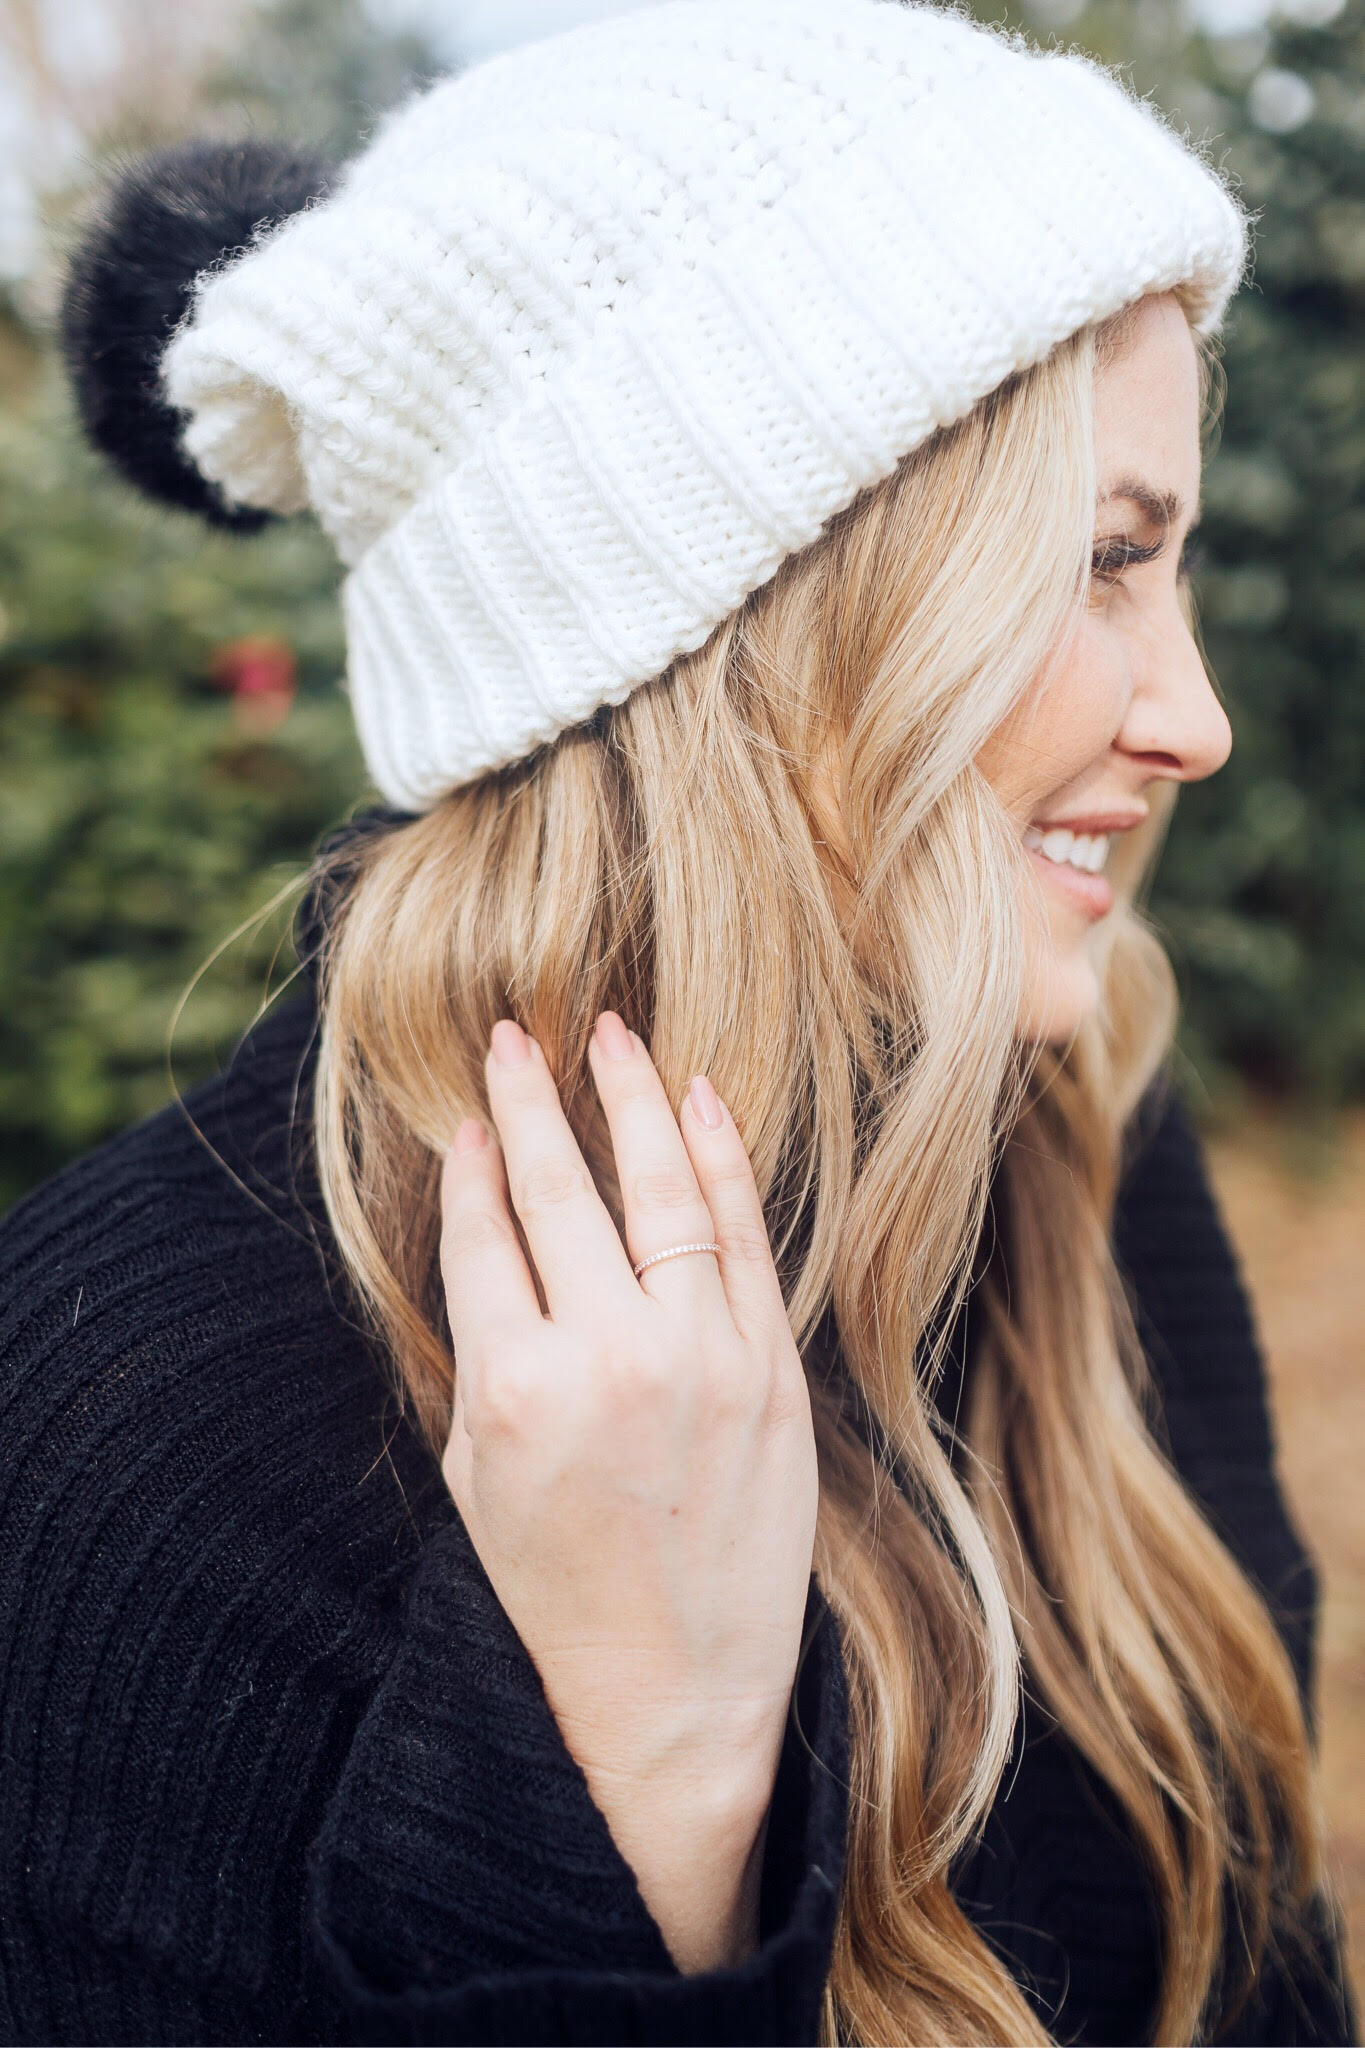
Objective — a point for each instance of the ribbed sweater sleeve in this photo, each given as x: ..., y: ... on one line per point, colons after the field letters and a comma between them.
x: 466, y: 1888
x: 277, y: 1766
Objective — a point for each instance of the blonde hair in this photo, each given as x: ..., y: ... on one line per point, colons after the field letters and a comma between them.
x: 666, y: 860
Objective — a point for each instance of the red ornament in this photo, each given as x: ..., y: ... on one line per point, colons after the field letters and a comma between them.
x: 261, y: 675
x: 259, y: 666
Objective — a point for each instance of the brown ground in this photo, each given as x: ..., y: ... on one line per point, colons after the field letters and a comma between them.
x: 1296, y: 1210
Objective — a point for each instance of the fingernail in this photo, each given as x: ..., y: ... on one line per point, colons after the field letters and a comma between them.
x: 471, y: 1136
x: 705, y: 1103
x: 511, y: 1046
x: 613, y: 1036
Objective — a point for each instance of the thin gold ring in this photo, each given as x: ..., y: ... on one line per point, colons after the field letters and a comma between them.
x: 674, y: 1252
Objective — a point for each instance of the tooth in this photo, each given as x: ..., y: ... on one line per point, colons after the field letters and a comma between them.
x: 1081, y: 851
x: 1032, y: 836
x: 1100, y: 854
x: 1057, y: 845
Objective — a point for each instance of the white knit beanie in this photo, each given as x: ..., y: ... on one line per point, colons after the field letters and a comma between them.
x: 594, y: 334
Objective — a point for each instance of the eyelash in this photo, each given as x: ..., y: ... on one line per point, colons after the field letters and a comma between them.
x: 1108, y: 563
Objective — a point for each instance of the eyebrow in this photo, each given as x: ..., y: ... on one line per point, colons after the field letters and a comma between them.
x: 1163, y: 508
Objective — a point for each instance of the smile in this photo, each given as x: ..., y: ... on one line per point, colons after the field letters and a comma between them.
x: 1071, y: 863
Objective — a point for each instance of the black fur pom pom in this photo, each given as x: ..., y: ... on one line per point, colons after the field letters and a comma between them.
x: 167, y: 218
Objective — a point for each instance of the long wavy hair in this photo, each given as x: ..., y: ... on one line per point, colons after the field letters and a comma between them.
x: 667, y: 860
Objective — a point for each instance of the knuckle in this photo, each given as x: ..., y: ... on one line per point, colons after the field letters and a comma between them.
x: 747, y: 1243
x: 731, y: 1183
x: 787, y: 1394
x: 477, y: 1230
x: 549, y: 1184
x: 504, y: 1405
x: 651, y: 1191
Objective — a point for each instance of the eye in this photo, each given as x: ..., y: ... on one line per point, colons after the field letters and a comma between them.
x: 1112, y: 557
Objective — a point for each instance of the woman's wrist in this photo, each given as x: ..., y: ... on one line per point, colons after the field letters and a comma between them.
x: 704, y: 1896
x: 694, y: 1840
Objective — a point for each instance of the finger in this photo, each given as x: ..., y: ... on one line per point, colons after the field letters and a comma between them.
x: 726, y: 1179
x: 457, y: 1460
x: 489, y: 1286
x: 572, y: 1238
x: 662, y: 1202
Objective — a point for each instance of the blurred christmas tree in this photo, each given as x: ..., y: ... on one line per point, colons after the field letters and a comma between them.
x: 1263, y: 888
x: 146, y: 805
x: 172, y: 738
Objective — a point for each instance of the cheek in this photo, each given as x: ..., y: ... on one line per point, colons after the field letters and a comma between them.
x: 1064, y: 728
x: 1081, y: 709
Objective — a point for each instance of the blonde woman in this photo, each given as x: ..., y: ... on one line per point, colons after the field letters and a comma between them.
x: 703, y: 1473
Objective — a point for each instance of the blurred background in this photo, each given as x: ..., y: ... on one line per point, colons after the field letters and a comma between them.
x: 173, y: 743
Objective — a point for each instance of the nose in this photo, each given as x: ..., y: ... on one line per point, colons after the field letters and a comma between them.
x: 1175, y: 725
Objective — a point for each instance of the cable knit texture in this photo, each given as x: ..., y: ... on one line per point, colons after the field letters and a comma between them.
x: 277, y: 1766
x: 595, y: 334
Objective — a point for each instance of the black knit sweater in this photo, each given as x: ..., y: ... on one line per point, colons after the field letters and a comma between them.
x: 276, y: 1766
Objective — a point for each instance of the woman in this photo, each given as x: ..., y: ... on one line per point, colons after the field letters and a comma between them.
x: 823, y: 1574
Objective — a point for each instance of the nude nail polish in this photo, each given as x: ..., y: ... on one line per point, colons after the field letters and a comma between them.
x: 511, y: 1046
x: 613, y: 1037
x: 705, y: 1103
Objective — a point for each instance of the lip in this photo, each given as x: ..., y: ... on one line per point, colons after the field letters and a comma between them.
x: 1092, y: 894
x: 1096, y: 822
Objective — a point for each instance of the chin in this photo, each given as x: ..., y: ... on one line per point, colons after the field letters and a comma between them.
x: 1061, y: 994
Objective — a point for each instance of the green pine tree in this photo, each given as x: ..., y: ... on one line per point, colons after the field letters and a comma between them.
x: 1262, y: 891
x: 145, y: 814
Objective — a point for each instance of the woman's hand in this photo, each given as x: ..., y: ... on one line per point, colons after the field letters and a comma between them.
x: 636, y: 1469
